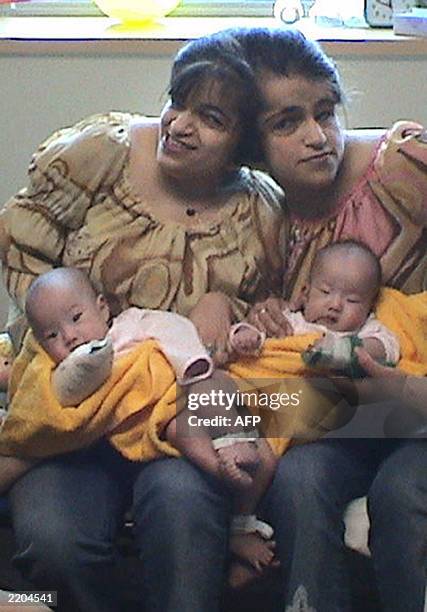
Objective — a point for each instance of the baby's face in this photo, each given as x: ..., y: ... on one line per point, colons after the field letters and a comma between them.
x: 340, y: 294
x: 66, y: 318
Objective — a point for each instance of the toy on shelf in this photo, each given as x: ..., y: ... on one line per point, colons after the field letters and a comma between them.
x: 137, y: 11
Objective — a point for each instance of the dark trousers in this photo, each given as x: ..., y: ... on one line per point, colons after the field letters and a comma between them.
x: 305, y: 504
x: 67, y: 512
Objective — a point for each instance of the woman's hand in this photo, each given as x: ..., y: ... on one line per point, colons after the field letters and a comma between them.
x: 375, y: 369
x: 382, y: 383
x: 409, y: 419
x: 268, y: 317
x: 212, y: 318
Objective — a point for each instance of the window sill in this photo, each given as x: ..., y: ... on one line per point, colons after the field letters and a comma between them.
x: 87, y: 35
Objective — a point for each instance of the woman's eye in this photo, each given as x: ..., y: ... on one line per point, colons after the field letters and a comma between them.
x: 284, y: 124
x: 325, y: 291
x: 353, y: 301
x: 52, y: 336
x: 213, y: 120
x: 325, y: 115
x: 76, y: 317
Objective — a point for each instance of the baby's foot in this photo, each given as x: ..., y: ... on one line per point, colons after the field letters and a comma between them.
x: 238, y: 463
x: 241, y: 574
x: 245, y: 339
x: 253, y: 549
x: 253, y: 557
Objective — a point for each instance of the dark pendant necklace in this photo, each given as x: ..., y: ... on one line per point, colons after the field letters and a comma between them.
x: 190, y: 212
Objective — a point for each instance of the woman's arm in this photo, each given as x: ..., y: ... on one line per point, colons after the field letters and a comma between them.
x: 383, y: 383
x: 388, y: 383
x: 213, y: 318
x: 65, y: 175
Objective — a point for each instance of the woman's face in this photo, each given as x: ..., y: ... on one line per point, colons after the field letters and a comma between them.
x: 303, y: 142
x: 198, y: 137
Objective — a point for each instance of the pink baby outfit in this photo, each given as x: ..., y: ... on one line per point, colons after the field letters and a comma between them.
x: 372, y: 328
x: 177, y: 336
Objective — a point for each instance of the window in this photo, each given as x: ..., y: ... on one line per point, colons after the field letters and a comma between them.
x: 186, y: 8
x: 232, y: 8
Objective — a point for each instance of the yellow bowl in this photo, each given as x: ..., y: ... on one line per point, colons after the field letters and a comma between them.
x: 135, y: 11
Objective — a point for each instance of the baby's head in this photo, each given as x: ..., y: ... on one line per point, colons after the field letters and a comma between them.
x: 344, y: 282
x: 64, y: 311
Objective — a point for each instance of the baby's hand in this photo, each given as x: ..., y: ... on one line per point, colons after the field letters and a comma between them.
x: 245, y: 339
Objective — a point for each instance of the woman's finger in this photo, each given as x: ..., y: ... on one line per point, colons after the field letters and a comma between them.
x: 273, y: 323
x: 268, y: 317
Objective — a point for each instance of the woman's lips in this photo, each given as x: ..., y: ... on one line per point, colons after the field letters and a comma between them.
x: 173, y: 145
x: 320, y: 157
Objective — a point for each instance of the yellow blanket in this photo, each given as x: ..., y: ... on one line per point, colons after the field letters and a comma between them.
x: 141, y: 396
x: 131, y: 408
x: 319, y: 409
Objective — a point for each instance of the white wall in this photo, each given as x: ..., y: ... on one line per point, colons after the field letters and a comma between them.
x: 43, y: 93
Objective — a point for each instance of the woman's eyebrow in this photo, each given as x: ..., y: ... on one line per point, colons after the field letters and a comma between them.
x: 328, y: 100
x: 286, y: 110
x: 230, y: 117
x: 206, y: 106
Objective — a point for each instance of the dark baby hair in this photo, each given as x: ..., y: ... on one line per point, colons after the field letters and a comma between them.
x: 350, y: 247
x: 56, y: 276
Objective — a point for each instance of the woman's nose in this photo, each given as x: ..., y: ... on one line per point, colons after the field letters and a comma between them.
x: 182, y: 123
x: 314, y: 136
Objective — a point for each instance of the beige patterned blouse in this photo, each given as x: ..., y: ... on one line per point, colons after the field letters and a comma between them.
x: 79, y: 210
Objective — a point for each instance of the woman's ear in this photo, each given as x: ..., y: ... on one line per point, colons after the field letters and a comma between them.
x: 103, y: 307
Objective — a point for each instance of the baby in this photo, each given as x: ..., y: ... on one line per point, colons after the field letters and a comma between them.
x: 65, y: 313
x: 343, y: 287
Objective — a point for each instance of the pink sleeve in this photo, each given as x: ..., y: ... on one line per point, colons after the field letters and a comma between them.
x: 176, y: 335
x: 373, y: 328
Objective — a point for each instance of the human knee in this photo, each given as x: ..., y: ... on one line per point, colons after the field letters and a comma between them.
x: 174, y: 487
x: 49, y: 545
x: 302, y: 473
x: 400, y: 485
x: 392, y: 493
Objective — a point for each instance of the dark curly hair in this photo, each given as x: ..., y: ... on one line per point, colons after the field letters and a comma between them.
x: 287, y: 52
x: 218, y: 59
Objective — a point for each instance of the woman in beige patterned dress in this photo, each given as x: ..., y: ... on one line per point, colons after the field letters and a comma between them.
x: 158, y: 213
